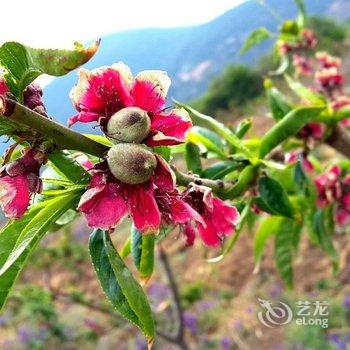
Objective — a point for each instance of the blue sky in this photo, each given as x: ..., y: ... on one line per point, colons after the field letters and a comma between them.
x: 44, y: 23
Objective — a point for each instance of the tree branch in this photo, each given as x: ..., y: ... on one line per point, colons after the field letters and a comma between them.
x: 63, y: 137
x: 179, y: 337
x: 340, y: 140
x: 183, y: 179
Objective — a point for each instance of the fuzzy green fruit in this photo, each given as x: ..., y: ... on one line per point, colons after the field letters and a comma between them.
x: 130, y: 124
x: 131, y: 163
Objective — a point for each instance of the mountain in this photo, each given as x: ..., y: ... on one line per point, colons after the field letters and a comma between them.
x: 191, y: 55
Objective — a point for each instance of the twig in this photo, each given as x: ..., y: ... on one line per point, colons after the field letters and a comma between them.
x: 179, y: 337
x: 340, y: 140
x: 63, y: 137
x: 184, y: 179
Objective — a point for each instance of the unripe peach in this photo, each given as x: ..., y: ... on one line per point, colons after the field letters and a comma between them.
x: 130, y: 124
x: 131, y: 163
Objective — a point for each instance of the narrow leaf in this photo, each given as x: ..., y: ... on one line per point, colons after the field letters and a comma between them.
x: 193, y: 158
x: 19, y: 238
x: 288, y: 126
x: 305, y: 93
x: 275, y: 197
x: 69, y: 168
x: 142, y: 251
x: 256, y: 37
x: 119, y: 285
x: 268, y: 226
x: 284, y: 250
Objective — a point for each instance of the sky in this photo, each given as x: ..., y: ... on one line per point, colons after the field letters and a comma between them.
x: 56, y: 24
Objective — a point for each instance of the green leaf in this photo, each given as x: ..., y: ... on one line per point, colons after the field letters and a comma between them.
x: 268, y: 226
x: 300, y: 178
x: 65, y: 165
x: 324, y: 235
x: 232, y: 241
x: 275, y: 197
x: 163, y: 151
x: 142, y: 251
x: 19, y: 238
x: 193, y: 158
x: 259, y: 202
x: 24, y: 64
x: 284, y: 250
x: 100, y: 139
x: 209, y: 139
x: 279, y: 105
x: 245, y: 177
x: 256, y: 37
x: 287, y: 127
x: 283, y: 66
x: 221, y: 169
x: 302, y: 13
x: 203, y: 120
x: 243, y: 127
x: 119, y: 285
x: 305, y: 93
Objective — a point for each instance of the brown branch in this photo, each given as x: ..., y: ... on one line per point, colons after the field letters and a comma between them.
x: 340, y: 140
x: 184, y: 179
x: 63, y: 137
x: 179, y: 337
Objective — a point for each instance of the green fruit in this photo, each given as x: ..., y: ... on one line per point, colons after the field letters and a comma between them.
x: 131, y: 163
x: 130, y: 124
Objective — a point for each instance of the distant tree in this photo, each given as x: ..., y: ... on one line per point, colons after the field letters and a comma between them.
x: 236, y: 85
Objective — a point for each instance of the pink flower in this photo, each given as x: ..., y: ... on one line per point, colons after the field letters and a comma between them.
x: 312, y: 130
x: 102, y: 92
x: 302, y: 64
x: 108, y: 201
x: 284, y: 47
x: 3, y: 86
x: 293, y: 156
x: 32, y: 97
x: 340, y: 102
x: 18, y: 180
x: 329, y: 78
x: 328, y: 61
x: 328, y: 186
x: 220, y: 219
x: 309, y: 40
x: 342, y: 214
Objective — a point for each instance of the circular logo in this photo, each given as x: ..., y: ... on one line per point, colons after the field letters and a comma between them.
x: 274, y: 315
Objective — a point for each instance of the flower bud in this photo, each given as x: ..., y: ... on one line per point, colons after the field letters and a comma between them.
x: 130, y: 124
x: 131, y: 163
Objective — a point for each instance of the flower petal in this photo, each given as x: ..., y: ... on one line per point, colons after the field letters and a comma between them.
x: 83, y: 117
x: 143, y: 207
x: 3, y: 86
x: 84, y: 161
x: 190, y: 234
x: 103, y: 91
x: 103, y: 206
x: 221, y: 221
x: 182, y: 212
x: 163, y: 177
x: 170, y: 128
x: 150, y: 89
x: 14, y: 195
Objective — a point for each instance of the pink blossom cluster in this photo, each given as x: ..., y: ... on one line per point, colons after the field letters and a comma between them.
x: 111, y: 93
x: 333, y: 188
